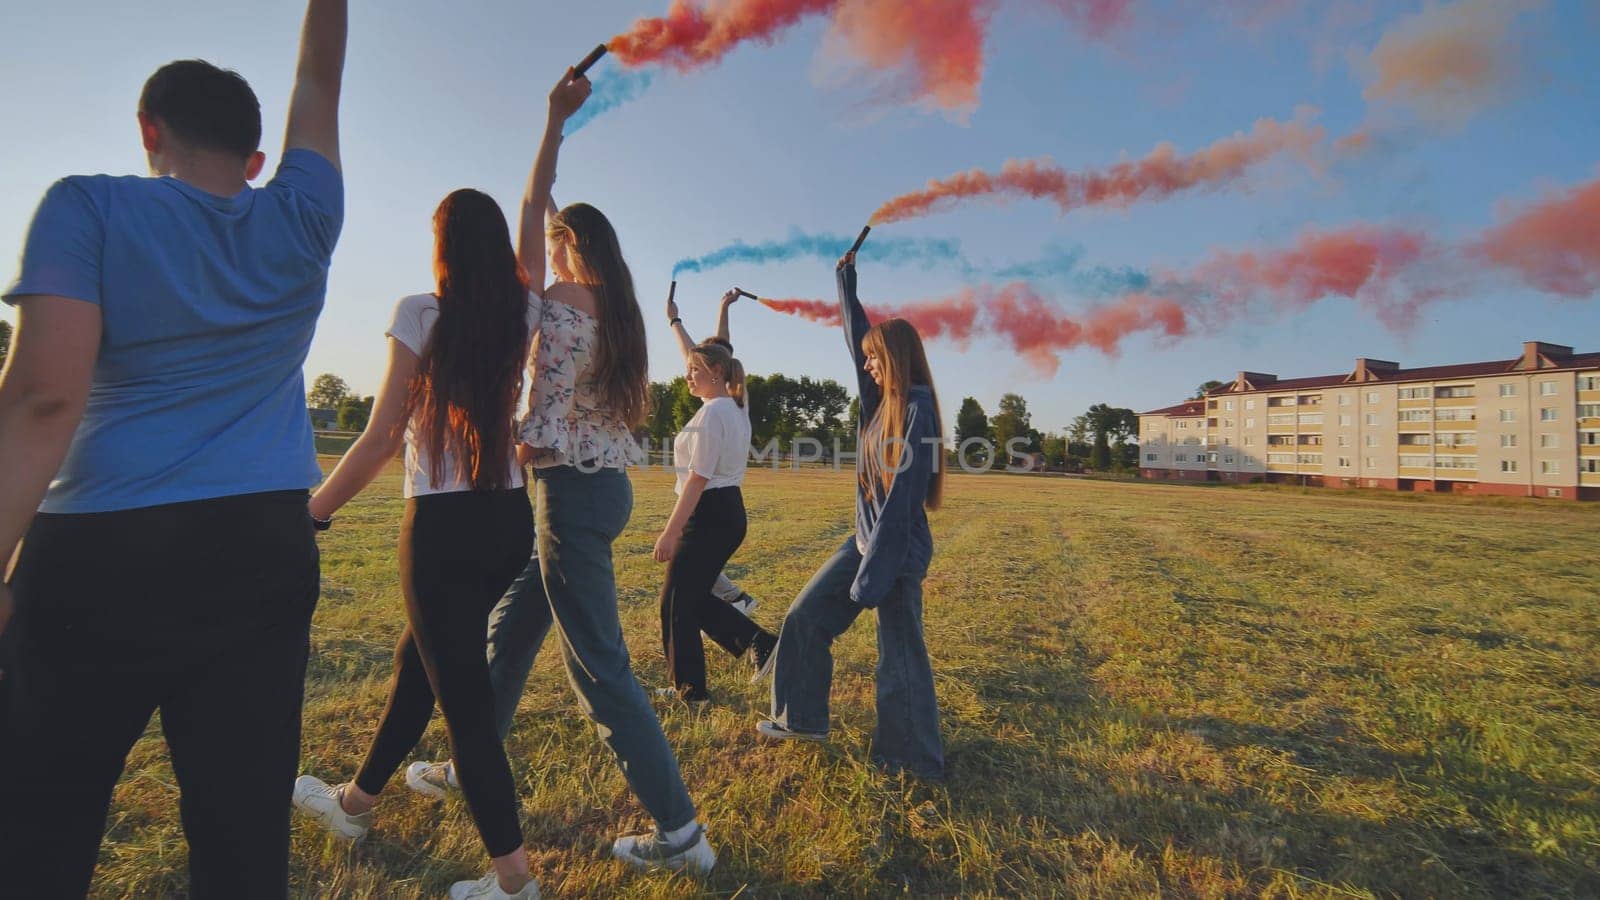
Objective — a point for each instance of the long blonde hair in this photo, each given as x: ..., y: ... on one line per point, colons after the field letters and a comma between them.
x: 714, y: 354
x: 903, y: 363
x: 621, y: 361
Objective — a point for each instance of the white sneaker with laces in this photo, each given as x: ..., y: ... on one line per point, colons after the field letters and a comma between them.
x: 436, y: 780
x: 653, y: 852
x: 318, y: 799
x: 770, y: 729
x: 488, y: 888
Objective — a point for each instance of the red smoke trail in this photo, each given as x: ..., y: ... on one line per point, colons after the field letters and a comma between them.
x: 1159, y: 174
x: 935, y: 45
x: 1097, y: 17
x: 1032, y: 325
x: 1554, y: 245
x: 689, y: 36
x: 955, y: 317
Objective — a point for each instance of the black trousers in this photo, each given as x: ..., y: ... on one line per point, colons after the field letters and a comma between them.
x: 714, y: 531
x: 458, y: 554
x: 201, y: 610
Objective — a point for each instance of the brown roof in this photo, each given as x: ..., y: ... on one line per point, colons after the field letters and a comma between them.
x: 1183, y: 410
x: 1423, y: 373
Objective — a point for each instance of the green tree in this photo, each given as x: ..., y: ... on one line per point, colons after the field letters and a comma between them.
x: 971, y: 421
x: 1204, y: 389
x: 354, y: 413
x: 1012, y: 421
x: 1110, y: 424
x: 1055, y: 449
x: 684, y: 404
x: 5, y: 342
x: 327, y: 392
x: 659, y: 425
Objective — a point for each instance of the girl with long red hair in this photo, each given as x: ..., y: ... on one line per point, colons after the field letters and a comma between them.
x: 456, y: 358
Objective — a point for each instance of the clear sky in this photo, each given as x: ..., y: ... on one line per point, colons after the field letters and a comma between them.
x: 794, y: 136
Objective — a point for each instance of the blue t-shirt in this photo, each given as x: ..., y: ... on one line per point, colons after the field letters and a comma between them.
x: 208, y: 307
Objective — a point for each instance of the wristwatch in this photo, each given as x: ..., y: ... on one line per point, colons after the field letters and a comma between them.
x: 322, y: 524
x: 675, y: 320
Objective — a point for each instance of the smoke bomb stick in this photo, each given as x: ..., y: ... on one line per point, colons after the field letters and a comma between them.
x: 860, y: 238
x: 588, y: 61
x: 672, y: 291
x: 744, y: 293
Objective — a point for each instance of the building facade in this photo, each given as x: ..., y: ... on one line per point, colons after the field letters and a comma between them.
x: 1525, y: 427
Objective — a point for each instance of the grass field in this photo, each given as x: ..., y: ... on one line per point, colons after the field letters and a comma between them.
x: 1146, y: 689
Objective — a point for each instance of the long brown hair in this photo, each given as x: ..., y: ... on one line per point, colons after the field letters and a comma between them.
x: 714, y: 354
x: 903, y: 363
x: 465, y: 393
x: 621, y: 361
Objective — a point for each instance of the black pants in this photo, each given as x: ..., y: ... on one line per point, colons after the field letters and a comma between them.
x: 201, y: 610
x: 458, y: 554
x: 714, y: 531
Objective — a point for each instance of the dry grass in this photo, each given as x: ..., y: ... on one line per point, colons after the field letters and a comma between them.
x: 1146, y: 689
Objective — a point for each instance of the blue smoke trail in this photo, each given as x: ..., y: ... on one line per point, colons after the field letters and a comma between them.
x: 895, y: 251
x: 613, y: 86
x: 1057, y: 262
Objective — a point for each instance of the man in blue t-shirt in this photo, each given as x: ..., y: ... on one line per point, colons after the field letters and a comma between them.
x: 157, y: 459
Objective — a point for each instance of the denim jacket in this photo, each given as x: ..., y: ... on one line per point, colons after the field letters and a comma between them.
x: 891, y: 527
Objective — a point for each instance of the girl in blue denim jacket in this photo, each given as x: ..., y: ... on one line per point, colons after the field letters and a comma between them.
x: 880, y: 566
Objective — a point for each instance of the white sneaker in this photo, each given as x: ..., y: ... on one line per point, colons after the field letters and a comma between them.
x: 488, y: 888
x: 653, y: 852
x: 770, y: 729
x: 436, y: 780
x: 744, y: 603
x: 316, y: 798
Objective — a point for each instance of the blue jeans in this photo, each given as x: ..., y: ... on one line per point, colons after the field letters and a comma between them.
x: 574, y: 588
x: 908, y: 712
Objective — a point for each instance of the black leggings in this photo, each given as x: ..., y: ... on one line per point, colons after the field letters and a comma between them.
x: 201, y: 610
x: 714, y: 531
x: 458, y: 553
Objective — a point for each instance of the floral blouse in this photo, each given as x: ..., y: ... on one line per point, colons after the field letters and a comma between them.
x: 566, y: 423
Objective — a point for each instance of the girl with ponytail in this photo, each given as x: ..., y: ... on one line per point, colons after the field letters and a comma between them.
x: 881, y: 565
x: 707, y: 524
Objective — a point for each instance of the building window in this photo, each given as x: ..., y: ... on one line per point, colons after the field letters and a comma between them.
x: 1227, y: 423
x: 1460, y: 414
x: 1228, y: 460
x: 1344, y: 421
x: 1589, y: 410
x: 1508, y: 465
x: 1372, y: 440
x: 1344, y: 462
x: 1589, y: 383
x: 1457, y: 439
x: 1280, y: 459
x: 1418, y: 415
x: 1227, y: 442
x: 1552, y: 492
x: 1549, y: 442
x: 1589, y: 466
x: 1281, y: 419
x: 1250, y: 404
x: 1249, y: 423
x: 1589, y: 438
x: 1547, y: 388
x: 1549, y: 467
x: 1248, y: 440
x: 1344, y: 399
x: 1415, y: 462
x: 1371, y: 418
x: 1415, y: 440
x: 1547, y: 414
x: 1372, y: 397
x: 1344, y: 440
x: 1455, y: 390
x: 1456, y: 462
x: 1372, y: 462
x: 1508, y: 415
x: 1311, y: 419
x: 1508, y: 440
x: 1150, y: 457
x: 1181, y: 457
x: 1211, y: 457
x: 1416, y: 393
x: 1227, y: 405
x: 1508, y: 390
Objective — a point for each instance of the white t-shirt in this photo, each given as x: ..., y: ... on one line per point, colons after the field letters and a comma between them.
x: 414, y: 318
x: 715, y: 445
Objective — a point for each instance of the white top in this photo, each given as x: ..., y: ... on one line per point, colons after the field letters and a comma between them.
x: 715, y: 445
x: 568, y: 422
x: 414, y: 318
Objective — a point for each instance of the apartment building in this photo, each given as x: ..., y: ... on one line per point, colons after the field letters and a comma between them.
x: 1526, y: 427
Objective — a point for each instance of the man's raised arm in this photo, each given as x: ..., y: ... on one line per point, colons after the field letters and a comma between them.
x: 314, y: 105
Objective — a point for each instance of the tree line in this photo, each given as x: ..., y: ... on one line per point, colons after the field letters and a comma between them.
x: 1100, y: 439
